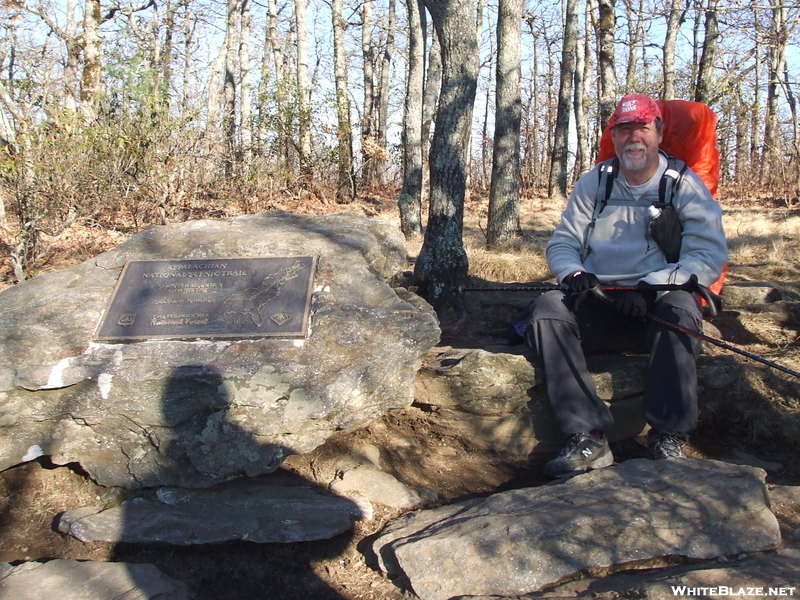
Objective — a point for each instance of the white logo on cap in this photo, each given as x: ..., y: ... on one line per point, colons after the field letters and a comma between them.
x: 629, y: 106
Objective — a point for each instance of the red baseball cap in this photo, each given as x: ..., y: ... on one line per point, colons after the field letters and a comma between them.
x: 635, y: 108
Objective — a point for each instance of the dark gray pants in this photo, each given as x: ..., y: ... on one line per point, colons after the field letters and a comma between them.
x: 561, y: 336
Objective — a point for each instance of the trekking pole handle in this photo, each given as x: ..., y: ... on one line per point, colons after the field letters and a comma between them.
x: 713, y: 301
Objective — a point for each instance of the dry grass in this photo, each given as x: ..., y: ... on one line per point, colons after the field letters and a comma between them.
x: 508, y: 265
x: 521, y: 259
x: 764, y: 244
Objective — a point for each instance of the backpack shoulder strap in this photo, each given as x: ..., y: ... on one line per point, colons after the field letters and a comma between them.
x: 607, y: 173
x: 671, y: 179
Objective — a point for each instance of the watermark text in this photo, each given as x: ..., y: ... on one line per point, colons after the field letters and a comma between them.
x: 724, y: 590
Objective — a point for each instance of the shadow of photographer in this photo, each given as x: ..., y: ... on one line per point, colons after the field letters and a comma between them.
x: 259, y: 534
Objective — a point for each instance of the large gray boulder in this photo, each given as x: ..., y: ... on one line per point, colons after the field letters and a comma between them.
x: 519, y: 541
x: 197, y: 413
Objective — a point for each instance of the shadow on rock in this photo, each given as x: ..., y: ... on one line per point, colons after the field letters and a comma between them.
x: 249, y: 537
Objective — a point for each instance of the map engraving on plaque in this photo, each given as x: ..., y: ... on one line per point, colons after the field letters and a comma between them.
x: 210, y: 298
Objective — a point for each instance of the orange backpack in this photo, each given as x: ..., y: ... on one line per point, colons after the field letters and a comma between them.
x: 689, y: 134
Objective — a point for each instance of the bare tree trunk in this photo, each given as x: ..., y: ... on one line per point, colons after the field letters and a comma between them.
x: 188, y: 39
x: 485, y: 171
x: 410, y: 201
x: 74, y: 47
x: 229, y: 85
x: 582, y: 74
x: 442, y: 264
x: 756, y: 127
x: 675, y: 17
x: 557, y: 188
x: 246, y: 126
x: 277, y: 88
x: 430, y: 100
x: 165, y: 64
x: 777, y: 56
x: 156, y: 54
x: 304, y: 93
x: 504, y: 193
x: 345, y: 189
x: 479, y: 10
x: 274, y: 42
x: 28, y: 236
x: 92, y: 59
x: 8, y: 135
x: 382, y: 99
x: 215, y: 98
x: 605, y: 61
x: 161, y: 52
x: 530, y: 157
x: 792, y: 101
x: 742, y: 124
x: 368, y: 107
x: 536, y: 159
x: 702, y: 91
x: 697, y: 8
x: 551, y: 108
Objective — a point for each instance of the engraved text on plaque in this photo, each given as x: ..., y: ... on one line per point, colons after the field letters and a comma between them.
x: 210, y: 298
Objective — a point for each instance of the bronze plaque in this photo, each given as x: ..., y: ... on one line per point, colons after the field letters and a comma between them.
x: 210, y: 298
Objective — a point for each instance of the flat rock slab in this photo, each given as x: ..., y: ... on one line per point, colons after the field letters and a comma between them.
x: 771, y: 575
x: 519, y: 541
x: 376, y: 486
x: 87, y: 580
x: 251, y: 510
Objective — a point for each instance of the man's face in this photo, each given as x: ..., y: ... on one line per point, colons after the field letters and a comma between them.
x: 636, y: 145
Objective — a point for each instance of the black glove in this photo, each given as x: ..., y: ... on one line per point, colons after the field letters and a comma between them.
x: 581, y: 281
x: 635, y: 304
x: 632, y: 305
x: 582, y: 285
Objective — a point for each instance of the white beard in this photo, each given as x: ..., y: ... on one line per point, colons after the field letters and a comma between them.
x: 631, y: 163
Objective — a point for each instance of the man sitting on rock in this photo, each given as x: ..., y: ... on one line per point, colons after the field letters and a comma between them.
x: 613, y: 246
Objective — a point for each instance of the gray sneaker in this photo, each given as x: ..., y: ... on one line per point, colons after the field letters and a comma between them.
x: 662, y: 446
x: 583, y: 451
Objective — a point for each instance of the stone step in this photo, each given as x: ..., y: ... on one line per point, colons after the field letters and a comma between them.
x: 498, y: 399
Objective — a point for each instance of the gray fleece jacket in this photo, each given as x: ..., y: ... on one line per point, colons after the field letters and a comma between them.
x: 619, y: 249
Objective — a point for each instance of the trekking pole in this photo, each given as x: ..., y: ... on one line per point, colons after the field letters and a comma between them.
x: 533, y: 287
x: 713, y: 301
x: 721, y: 344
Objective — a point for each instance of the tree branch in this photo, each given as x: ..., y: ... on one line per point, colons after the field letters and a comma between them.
x: 126, y: 11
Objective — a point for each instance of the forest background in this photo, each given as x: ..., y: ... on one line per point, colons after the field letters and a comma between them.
x: 118, y: 115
